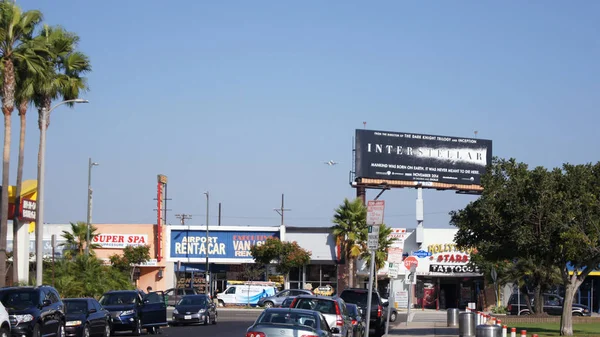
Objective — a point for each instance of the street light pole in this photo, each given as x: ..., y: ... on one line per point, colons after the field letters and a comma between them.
x: 207, y: 241
x: 89, y: 206
x: 39, y: 221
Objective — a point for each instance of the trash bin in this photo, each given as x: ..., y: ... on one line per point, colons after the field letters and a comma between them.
x: 452, y: 319
x: 466, y: 324
x: 488, y: 331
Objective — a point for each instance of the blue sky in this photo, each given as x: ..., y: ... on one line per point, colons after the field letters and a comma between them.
x: 246, y: 99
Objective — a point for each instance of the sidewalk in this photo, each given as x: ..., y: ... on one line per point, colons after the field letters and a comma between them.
x: 425, y: 329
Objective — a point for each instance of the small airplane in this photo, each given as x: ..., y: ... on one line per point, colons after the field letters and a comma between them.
x: 331, y: 163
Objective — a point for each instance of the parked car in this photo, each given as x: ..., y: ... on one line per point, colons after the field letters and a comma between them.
x: 85, y: 317
x: 552, y: 305
x: 133, y: 310
x: 245, y: 294
x: 333, y: 309
x: 277, y: 299
x: 393, y: 311
x: 174, y: 295
x: 34, y: 311
x: 4, y: 322
x: 378, y: 317
x: 195, y: 309
x: 357, y: 320
x: 287, y: 302
x: 289, y: 322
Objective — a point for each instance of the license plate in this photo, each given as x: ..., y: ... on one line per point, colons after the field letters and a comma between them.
x: 187, y: 317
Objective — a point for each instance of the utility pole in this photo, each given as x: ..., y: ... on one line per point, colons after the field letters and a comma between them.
x: 183, y: 217
x: 207, y: 271
x: 281, y: 210
x: 219, y: 214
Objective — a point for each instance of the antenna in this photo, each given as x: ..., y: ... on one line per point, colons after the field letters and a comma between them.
x: 476, y: 132
x: 183, y: 217
x: 281, y: 210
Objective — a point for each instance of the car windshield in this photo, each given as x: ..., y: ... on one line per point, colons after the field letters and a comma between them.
x: 287, y: 317
x: 76, y: 307
x: 359, y: 298
x: 19, y: 298
x: 324, y: 306
x: 193, y: 300
x: 118, y: 298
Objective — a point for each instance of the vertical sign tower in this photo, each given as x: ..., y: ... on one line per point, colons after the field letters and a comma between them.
x: 161, y: 212
x: 375, y: 210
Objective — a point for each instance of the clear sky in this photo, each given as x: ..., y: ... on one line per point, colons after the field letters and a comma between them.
x: 247, y: 99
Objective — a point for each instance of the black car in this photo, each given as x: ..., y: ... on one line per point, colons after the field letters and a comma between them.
x: 195, y: 309
x: 133, y: 310
x: 359, y: 297
x: 357, y: 320
x: 34, y: 311
x: 85, y: 317
x: 552, y: 305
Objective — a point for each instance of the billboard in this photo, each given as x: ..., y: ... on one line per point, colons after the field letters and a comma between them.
x: 223, y: 246
x: 421, y: 158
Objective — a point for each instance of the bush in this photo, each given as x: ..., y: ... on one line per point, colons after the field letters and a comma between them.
x: 499, y: 310
x: 85, y: 276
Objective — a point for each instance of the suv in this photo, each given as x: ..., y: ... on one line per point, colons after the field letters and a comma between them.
x: 173, y: 295
x: 34, y: 311
x: 553, y: 305
x: 277, y: 299
x: 133, y: 310
x: 359, y: 297
x: 333, y: 309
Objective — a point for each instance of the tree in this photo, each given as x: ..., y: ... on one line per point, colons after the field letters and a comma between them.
x: 350, y: 225
x: 15, y: 28
x: 252, y: 272
x: 286, y: 255
x: 381, y: 254
x: 76, y: 239
x: 539, y: 218
x: 85, y: 276
x: 132, y: 256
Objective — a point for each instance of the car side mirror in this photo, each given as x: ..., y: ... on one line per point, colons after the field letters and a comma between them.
x: 46, y: 303
x: 92, y: 311
x: 335, y: 330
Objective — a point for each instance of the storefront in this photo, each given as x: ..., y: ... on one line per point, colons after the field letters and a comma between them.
x: 228, y: 251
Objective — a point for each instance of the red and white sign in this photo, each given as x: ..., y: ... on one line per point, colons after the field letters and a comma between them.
x: 410, y: 261
x: 395, y: 255
x: 375, y: 212
x: 120, y: 240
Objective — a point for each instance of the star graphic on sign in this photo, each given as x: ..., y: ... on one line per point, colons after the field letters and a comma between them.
x: 431, y: 258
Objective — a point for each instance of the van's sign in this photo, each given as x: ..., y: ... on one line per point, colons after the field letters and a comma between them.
x: 192, y: 244
x: 120, y: 240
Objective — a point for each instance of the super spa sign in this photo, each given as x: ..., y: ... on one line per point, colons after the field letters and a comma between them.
x: 230, y: 245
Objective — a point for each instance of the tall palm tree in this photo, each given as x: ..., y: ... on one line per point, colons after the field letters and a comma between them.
x: 381, y: 254
x: 15, y: 27
x: 76, y: 239
x: 350, y: 226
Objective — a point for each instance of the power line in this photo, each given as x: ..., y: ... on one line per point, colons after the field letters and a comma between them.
x: 312, y: 218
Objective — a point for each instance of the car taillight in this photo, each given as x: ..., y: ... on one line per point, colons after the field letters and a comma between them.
x: 509, y: 308
x: 309, y: 336
x: 339, y: 320
x: 354, y: 322
x: 379, y: 311
x: 255, y: 334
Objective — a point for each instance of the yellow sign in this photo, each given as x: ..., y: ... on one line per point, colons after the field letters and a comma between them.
x: 29, y: 191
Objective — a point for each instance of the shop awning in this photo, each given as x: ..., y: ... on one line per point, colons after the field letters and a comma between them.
x: 592, y: 273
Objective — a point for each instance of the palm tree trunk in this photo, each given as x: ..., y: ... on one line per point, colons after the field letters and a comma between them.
x: 16, y: 223
x: 350, y: 271
x: 4, y: 196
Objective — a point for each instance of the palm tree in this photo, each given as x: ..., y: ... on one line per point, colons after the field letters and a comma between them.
x: 76, y: 239
x: 381, y: 255
x: 350, y: 226
x: 15, y: 28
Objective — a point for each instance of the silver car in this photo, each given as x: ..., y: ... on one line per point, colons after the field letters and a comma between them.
x: 333, y: 309
x: 287, y: 322
x: 277, y: 299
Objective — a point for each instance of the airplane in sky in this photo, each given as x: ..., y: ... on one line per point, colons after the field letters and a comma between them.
x: 331, y: 163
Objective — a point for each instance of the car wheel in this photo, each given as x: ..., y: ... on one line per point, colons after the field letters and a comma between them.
x: 393, y: 317
x: 207, y: 319
x: 577, y: 313
x: 86, y: 331
x: 61, y: 330
x: 4, y: 332
x: 221, y: 303
x: 137, y: 330
x: 36, y: 331
x: 107, y: 330
x: 215, y: 318
x: 268, y: 304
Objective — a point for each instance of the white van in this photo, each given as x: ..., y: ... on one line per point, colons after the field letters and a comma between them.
x: 245, y: 294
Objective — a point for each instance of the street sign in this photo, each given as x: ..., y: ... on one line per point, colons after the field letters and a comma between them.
x: 395, y: 255
x: 421, y: 254
x: 393, y: 270
x: 410, y: 261
x: 373, y: 237
x: 375, y: 212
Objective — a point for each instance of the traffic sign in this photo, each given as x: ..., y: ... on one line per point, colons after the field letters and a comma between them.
x: 393, y: 270
x: 395, y: 255
x: 375, y: 212
x: 373, y: 237
x: 421, y: 254
x: 410, y: 261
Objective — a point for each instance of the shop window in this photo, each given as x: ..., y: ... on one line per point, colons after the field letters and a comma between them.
x: 296, y: 275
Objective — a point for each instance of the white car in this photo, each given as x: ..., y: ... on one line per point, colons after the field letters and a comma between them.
x: 4, y: 322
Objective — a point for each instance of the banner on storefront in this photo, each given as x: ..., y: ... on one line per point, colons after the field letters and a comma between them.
x: 451, y: 269
x: 115, y: 241
x: 223, y: 246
